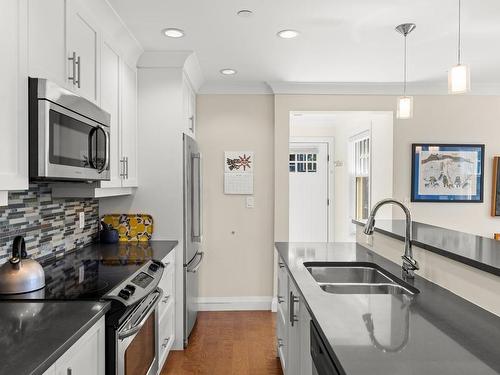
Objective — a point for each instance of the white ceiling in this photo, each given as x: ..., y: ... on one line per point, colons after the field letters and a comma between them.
x: 341, y: 40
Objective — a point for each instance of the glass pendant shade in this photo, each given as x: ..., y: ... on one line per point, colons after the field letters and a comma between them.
x: 405, y: 107
x: 459, y: 79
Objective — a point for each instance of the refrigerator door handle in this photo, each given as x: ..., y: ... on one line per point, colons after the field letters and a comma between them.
x: 195, y: 268
x: 196, y: 198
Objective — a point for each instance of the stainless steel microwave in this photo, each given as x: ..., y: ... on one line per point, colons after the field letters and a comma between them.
x: 68, y: 135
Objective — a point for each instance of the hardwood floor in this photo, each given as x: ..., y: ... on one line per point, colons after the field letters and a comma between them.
x: 229, y: 343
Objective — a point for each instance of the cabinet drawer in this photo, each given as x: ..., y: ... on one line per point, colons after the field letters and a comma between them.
x: 166, y: 333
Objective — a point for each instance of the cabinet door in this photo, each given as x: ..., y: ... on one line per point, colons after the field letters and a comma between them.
x: 110, y: 102
x: 293, y: 367
x: 86, y: 356
x: 13, y: 97
x: 129, y: 124
x: 83, y: 44
x: 189, y: 106
x: 47, y: 40
x: 305, y: 340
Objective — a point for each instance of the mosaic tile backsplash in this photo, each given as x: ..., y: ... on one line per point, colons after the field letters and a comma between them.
x: 49, y: 226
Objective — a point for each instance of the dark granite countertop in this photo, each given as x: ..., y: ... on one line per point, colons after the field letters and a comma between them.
x: 476, y: 251
x: 433, y: 333
x: 33, y: 335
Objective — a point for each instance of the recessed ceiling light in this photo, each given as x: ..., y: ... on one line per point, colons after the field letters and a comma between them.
x: 288, y: 34
x: 228, y: 72
x: 245, y: 13
x: 173, y: 32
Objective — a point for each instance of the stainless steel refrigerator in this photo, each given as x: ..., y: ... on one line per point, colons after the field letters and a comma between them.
x: 193, y: 254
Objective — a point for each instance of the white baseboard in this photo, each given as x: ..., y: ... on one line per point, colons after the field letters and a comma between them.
x: 234, y: 303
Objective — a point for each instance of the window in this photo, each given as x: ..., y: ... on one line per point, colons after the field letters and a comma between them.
x: 303, y: 162
x: 360, y: 176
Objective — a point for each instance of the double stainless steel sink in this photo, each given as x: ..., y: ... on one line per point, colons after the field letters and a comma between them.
x: 357, y: 278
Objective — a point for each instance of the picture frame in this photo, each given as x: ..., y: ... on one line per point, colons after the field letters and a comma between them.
x: 448, y: 173
x: 495, y: 195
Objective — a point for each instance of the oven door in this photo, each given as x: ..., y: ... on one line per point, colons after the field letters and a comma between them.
x: 137, y: 343
x: 71, y: 146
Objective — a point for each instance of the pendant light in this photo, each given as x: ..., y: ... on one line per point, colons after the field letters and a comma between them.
x: 459, y: 75
x: 405, y: 103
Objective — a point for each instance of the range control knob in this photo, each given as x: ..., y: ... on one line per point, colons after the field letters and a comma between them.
x: 130, y: 288
x: 125, y: 294
x: 153, y: 267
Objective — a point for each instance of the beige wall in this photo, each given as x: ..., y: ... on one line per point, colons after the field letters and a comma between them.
x: 239, y: 264
x: 446, y: 119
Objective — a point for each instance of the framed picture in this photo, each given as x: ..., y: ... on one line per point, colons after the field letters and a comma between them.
x: 447, y: 173
x: 495, y: 196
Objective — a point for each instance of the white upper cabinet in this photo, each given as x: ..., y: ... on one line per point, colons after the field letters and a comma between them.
x: 82, y: 51
x: 13, y: 97
x: 110, y: 102
x: 129, y: 125
x: 47, y: 40
x: 189, y: 106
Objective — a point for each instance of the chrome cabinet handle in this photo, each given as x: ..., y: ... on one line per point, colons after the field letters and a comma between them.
x: 122, y: 168
x: 280, y: 343
x: 69, y: 371
x: 126, y: 167
x: 293, y: 316
x: 165, y: 299
x: 73, y: 61
x: 165, y: 343
x: 281, y: 264
x: 191, y: 119
x: 78, y: 64
x: 281, y: 299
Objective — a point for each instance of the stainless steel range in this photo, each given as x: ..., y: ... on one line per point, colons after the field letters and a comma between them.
x: 130, y: 282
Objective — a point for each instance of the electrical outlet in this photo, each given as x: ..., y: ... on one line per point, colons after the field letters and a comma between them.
x: 81, y: 220
x: 250, y: 202
x: 81, y: 274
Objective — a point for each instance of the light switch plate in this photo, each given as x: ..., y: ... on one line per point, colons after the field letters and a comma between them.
x: 250, y: 202
x: 81, y: 220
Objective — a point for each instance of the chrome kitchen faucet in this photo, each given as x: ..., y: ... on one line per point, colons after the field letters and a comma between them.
x: 409, y: 264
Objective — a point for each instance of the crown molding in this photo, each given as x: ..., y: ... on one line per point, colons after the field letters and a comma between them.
x: 184, y: 60
x: 236, y: 87
x: 370, y: 88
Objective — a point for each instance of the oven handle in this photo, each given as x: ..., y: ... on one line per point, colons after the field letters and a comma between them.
x: 106, y: 162
x: 136, y: 328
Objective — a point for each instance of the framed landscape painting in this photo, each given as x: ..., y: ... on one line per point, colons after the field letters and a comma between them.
x: 447, y: 173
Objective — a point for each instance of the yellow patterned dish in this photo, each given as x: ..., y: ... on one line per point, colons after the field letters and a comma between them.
x: 131, y: 227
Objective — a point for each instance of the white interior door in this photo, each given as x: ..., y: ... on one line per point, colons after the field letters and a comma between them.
x: 308, y: 170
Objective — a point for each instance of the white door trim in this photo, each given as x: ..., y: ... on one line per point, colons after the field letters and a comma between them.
x: 330, y: 141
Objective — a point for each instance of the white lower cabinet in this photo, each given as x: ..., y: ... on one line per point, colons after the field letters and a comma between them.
x: 85, y: 357
x: 292, y: 327
x: 166, y: 310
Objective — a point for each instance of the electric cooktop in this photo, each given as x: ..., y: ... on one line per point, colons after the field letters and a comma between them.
x: 88, y: 273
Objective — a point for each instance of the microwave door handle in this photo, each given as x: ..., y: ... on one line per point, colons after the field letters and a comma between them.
x: 137, y: 327
x: 91, y: 153
x: 107, y: 152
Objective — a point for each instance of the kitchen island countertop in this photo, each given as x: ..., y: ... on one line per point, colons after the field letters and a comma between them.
x: 434, y: 332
